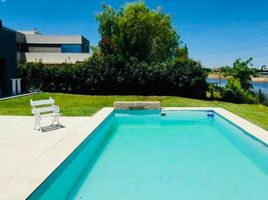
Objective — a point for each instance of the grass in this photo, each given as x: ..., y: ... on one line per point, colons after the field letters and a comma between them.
x: 85, y: 105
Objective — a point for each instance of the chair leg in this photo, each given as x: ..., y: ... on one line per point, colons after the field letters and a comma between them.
x: 53, y: 120
x: 36, y: 123
x: 58, y: 121
x: 39, y: 124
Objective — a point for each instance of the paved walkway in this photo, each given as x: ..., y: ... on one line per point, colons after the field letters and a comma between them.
x: 27, y: 157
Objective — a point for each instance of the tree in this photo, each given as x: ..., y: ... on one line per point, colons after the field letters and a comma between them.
x: 234, y: 91
x: 182, y: 52
x: 241, y: 70
x: 136, y: 31
x: 95, y: 49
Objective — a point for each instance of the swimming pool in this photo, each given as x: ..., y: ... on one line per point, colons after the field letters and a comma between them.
x: 143, y: 155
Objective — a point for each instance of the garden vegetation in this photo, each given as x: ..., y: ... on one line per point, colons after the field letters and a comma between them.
x: 139, y: 53
x: 238, y: 88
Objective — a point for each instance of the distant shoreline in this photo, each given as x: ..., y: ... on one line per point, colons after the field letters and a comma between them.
x: 255, y: 79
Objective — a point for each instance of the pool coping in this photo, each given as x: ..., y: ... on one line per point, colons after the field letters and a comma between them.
x: 38, y: 171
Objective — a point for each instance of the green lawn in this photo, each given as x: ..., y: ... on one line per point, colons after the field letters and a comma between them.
x: 84, y: 105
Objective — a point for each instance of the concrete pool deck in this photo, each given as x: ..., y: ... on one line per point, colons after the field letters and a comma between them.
x: 28, y: 157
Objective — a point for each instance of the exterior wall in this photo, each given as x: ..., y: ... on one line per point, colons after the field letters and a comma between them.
x: 20, y: 37
x: 85, y: 45
x: 56, y: 58
x: 21, y: 57
x: 8, y: 59
x: 21, y: 47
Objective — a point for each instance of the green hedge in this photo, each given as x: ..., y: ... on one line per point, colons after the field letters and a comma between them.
x: 107, y: 75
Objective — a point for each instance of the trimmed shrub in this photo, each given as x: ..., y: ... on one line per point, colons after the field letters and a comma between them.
x: 109, y: 75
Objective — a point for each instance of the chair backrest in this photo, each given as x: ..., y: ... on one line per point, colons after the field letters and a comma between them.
x: 43, y: 106
x: 49, y: 101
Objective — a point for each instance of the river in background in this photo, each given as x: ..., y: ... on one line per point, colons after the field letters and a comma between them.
x: 256, y: 85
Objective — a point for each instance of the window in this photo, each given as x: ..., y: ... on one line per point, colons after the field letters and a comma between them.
x: 71, y: 48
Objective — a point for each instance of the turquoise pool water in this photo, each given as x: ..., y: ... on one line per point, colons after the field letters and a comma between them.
x: 141, y: 155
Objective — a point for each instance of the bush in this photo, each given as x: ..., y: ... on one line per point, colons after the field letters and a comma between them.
x: 215, y: 92
x: 235, y: 93
x: 109, y: 75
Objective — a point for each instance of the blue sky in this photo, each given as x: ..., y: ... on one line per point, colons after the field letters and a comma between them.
x: 216, y: 31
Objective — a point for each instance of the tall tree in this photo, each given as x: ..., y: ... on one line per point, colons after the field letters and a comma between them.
x: 136, y: 31
x: 182, y: 52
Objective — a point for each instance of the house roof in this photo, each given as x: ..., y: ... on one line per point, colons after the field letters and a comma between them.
x: 31, y: 32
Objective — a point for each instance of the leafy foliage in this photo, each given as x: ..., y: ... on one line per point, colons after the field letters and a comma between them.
x: 104, y: 75
x: 136, y: 31
x: 241, y: 70
x: 238, y: 87
x: 139, y: 53
x: 235, y: 93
